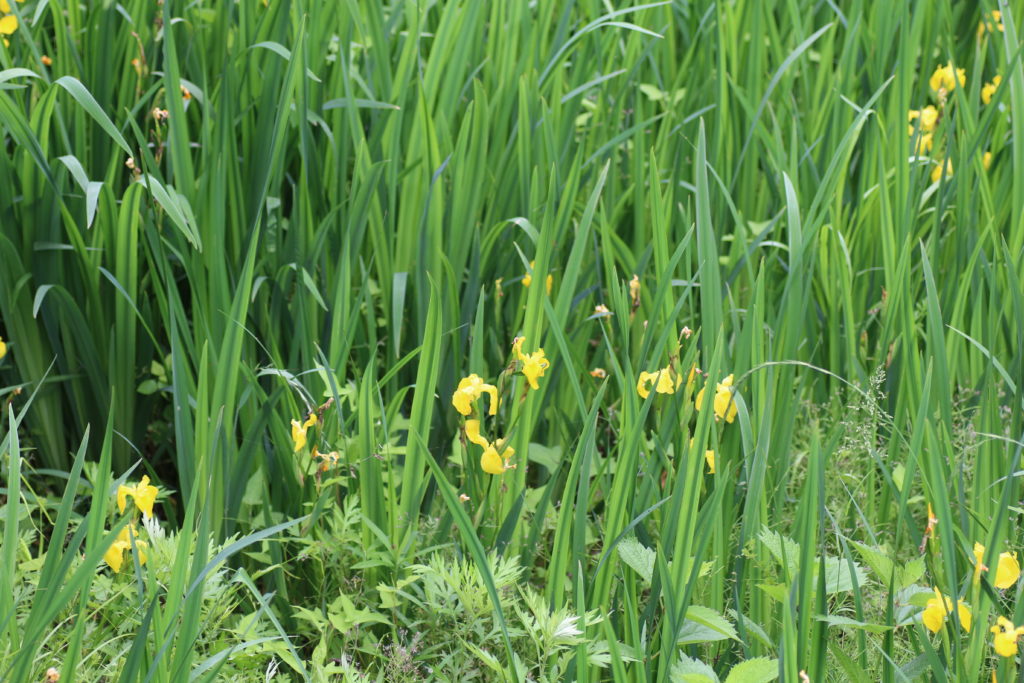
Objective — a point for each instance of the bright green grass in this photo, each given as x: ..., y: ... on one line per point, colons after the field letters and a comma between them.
x: 342, y: 211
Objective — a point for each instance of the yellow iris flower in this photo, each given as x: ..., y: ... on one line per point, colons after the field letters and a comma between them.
x: 144, y: 494
x: 941, y: 606
x: 533, y: 364
x: 926, y: 118
x: 724, y: 405
x: 665, y: 381
x: 1004, y: 641
x: 989, y: 89
x: 469, y: 390
x: 115, y: 553
x: 3, y: 348
x: 1007, y: 570
x: 945, y: 79
x: 299, y: 431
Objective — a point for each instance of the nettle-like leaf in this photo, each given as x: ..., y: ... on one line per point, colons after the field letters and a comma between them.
x: 757, y: 670
x: 639, y: 557
x: 705, y: 625
x: 687, y: 670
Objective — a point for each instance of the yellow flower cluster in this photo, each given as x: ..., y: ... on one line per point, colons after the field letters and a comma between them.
x: 990, y: 23
x: 144, y: 495
x: 8, y: 22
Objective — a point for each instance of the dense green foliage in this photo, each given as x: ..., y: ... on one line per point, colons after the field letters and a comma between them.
x: 217, y: 218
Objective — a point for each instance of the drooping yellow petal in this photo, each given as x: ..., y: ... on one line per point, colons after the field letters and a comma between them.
x: 492, y: 463
x: 115, y: 555
x: 1007, y: 571
x: 473, y: 433
x: 725, y: 406
x: 122, y: 497
x: 492, y: 392
x: 3, y: 348
x: 298, y: 435
x: 964, y: 612
x: 709, y: 457
x: 8, y: 24
x: 642, y: 382
x: 986, y: 160
x: 979, y: 567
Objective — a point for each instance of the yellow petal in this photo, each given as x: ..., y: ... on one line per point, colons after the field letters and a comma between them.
x: 642, y: 382
x: 115, y: 555
x: 492, y: 392
x: 145, y: 495
x: 979, y: 567
x: 473, y: 433
x: 1008, y: 570
x: 298, y: 435
x: 699, y: 401
x: 5, y: 6
x: 964, y: 612
x: 3, y: 348
x: 491, y: 462
x: 122, y: 497
x: 463, y: 401
x: 534, y: 366
x: 709, y: 457
x: 8, y: 24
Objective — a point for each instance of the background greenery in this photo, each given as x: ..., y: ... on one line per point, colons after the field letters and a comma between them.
x: 342, y: 209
